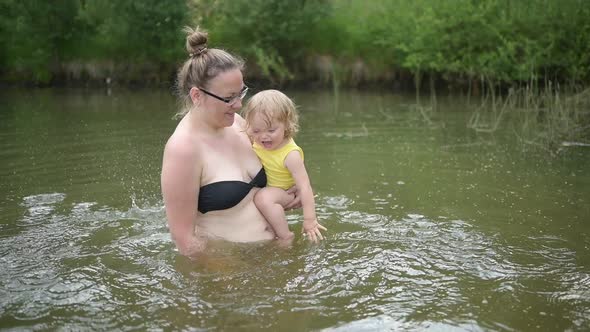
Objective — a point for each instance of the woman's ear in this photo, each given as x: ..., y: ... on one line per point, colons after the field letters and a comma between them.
x: 195, y: 94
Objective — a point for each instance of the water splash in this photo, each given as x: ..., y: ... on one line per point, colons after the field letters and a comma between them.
x: 93, y: 266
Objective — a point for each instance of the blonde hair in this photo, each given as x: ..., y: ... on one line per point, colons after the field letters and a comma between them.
x: 273, y: 105
x: 203, y: 65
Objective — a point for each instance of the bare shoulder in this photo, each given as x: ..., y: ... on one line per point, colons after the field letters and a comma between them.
x: 294, y: 156
x: 239, y: 127
x: 294, y: 161
x: 181, y: 157
x: 180, y: 147
x: 239, y: 122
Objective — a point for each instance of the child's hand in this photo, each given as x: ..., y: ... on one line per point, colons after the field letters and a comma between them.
x: 311, y: 229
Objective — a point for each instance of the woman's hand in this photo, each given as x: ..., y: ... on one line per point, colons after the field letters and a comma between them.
x: 191, y: 246
x: 296, y: 202
x: 311, y: 229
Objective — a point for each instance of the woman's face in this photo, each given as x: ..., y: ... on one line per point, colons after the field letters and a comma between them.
x: 228, y: 85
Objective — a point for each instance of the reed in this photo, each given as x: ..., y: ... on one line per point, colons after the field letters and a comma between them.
x: 548, y: 118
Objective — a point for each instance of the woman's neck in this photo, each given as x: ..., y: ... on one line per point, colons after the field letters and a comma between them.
x: 199, y: 123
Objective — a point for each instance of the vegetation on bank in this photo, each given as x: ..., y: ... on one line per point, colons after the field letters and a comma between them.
x: 52, y: 42
x: 350, y: 42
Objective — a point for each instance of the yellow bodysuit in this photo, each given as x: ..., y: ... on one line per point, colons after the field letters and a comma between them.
x: 273, y: 162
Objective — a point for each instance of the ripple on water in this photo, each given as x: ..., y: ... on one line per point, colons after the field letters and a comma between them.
x: 394, y: 323
x: 336, y: 202
x: 40, y: 207
x: 100, y: 268
x: 397, y: 266
x: 43, y: 199
x: 54, y: 266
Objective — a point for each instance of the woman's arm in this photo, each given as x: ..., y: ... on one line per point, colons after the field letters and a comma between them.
x: 311, y: 227
x: 180, y: 184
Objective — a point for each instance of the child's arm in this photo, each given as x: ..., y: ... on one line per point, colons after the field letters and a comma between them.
x: 311, y: 227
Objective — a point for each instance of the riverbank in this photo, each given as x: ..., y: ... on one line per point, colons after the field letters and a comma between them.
x: 426, y: 45
x: 316, y: 72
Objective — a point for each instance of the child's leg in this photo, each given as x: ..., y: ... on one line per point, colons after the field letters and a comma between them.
x: 270, y: 202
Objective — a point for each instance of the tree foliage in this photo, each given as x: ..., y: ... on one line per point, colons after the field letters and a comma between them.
x: 506, y: 40
x: 37, y: 37
x: 501, y: 40
x: 275, y: 34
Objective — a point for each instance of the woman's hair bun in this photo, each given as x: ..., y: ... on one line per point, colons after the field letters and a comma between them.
x: 196, y: 41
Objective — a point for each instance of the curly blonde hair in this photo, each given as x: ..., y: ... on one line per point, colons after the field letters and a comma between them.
x: 273, y: 105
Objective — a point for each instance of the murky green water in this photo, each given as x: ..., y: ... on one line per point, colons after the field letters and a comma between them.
x: 432, y: 226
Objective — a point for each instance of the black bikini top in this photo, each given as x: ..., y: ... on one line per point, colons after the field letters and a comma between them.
x: 226, y: 194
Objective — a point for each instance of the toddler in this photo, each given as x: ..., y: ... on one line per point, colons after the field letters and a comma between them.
x: 272, y: 121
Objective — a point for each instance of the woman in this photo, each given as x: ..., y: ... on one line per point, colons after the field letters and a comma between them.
x: 210, y: 172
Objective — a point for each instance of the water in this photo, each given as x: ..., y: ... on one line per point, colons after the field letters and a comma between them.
x: 432, y: 226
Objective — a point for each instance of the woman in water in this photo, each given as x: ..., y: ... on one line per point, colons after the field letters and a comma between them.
x: 210, y: 173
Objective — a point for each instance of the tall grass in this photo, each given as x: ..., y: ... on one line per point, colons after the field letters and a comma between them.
x: 548, y: 119
x: 554, y: 121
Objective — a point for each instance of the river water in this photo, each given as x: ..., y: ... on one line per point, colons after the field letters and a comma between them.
x: 432, y: 225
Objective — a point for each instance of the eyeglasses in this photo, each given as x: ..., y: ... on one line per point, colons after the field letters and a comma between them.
x: 230, y: 101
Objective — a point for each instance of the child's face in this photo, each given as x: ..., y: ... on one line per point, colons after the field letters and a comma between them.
x: 271, y: 136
